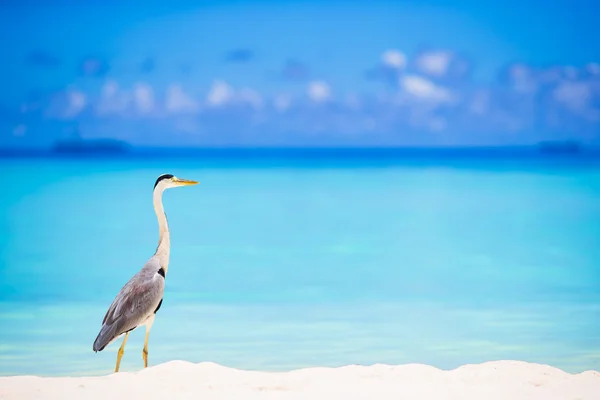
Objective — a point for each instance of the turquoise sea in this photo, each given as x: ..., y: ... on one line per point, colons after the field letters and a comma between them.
x: 277, y: 267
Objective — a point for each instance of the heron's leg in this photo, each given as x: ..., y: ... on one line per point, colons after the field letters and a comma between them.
x: 145, y: 351
x: 121, y: 351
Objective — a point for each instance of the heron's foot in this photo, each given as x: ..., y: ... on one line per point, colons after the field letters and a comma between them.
x: 145, y: 357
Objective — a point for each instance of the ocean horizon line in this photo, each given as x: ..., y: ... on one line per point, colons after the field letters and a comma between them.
x: 311, y: 152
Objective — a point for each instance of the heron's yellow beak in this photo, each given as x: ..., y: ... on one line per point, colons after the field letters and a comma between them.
x: 184, y: 182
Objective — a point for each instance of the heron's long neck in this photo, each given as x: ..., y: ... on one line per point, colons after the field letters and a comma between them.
x: 164, y: 241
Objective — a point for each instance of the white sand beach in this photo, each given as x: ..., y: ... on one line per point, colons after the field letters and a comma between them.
x: 510, y: 380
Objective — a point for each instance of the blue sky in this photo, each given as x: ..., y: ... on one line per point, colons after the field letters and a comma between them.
x: 300, y: 73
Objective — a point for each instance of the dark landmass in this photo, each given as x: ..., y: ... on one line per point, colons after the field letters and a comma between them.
x: 90, y: 146
x: 561, y: 147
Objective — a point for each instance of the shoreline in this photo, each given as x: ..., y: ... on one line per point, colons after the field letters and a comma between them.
x: 181, y: 379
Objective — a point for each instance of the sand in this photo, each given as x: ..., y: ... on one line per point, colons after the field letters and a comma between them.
x: 510, y: 380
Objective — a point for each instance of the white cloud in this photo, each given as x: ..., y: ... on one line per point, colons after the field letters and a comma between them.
x: 522, y: 78
x: 434, y: 63
x: 393, y: 59
x: 220, y: 93
x: 570, y: 72
x: 76, y: 102
x: 282, y: 102
x: 177, y: 101
x: 250, y: 96
x: 143, y: 96
x: 424, y: 89
x: 533, y: 101
x: 593, y: 68
x: 546, y: 77
x: 110, y: 89
x: 112, y: 99
x: 319, y: 91
x: 573, y: 95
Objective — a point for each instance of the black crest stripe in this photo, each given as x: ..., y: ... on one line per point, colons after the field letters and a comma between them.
x: 160, y: 178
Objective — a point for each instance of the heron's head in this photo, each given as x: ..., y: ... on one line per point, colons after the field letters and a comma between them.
x: 167, y: 181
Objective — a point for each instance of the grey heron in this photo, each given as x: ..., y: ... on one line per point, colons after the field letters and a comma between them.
x: 139, y: 300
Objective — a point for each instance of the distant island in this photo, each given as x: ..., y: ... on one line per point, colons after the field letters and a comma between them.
x: 79, y: 146
x: 560, y: 147
x: 90, y: 146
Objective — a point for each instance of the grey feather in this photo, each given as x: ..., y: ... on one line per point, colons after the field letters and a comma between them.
x: 134, y: 304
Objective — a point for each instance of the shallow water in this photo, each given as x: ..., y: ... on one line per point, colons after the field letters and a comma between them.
x: 276, y: 268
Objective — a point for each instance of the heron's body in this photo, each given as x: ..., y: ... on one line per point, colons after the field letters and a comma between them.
x: 135, y: 305
x: 139, y: 300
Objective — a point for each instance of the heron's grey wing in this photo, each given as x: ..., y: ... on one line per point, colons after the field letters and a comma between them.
x: 136, y: 301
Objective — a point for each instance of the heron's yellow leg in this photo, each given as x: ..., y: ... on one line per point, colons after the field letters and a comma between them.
x: 145, y: 351
x: 121, y: 351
